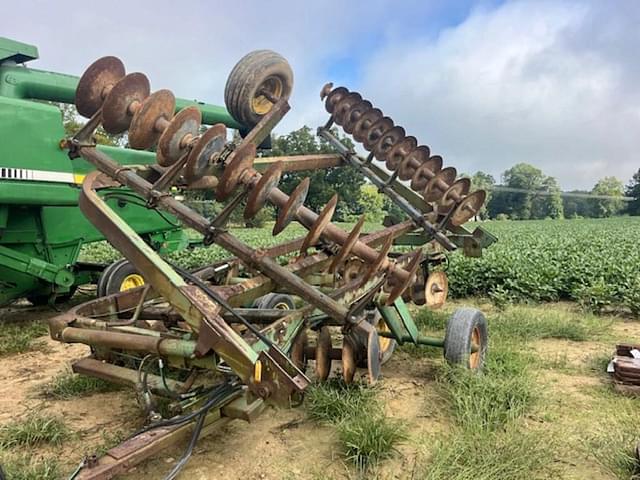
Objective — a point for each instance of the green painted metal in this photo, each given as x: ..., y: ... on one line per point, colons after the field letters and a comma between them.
x: 16, y: 51
x: 399, y: 320
x: 421, y: 340
x: 41, y: 226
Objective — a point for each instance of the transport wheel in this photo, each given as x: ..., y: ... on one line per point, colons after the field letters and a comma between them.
x: 118, y: 277
x: 466, y: 329
x: 385, y: 345
x: 255, y: 84
x: 278, y: 301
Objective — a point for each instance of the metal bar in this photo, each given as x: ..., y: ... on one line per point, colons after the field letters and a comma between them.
x: 409, y: 209
x: 253, y: 258
x: 421, y: 340
x: 296, y: 163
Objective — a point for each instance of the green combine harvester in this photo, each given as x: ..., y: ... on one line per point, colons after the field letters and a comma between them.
x: 42, y: 230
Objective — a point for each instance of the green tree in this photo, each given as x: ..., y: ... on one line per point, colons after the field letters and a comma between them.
x: 548, y: 205
x: 575, y: 206
x: 519, y: 205
x: 633, y: 190
x: 483, y: 181
x: 371, y: 203
x: 345, y: 181
x: 611, y: 187
x: 71, y: 122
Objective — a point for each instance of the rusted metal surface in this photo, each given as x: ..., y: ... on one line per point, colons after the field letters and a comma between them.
x: 200, y: 319
x: 123, y: 100
x: 96, y: 83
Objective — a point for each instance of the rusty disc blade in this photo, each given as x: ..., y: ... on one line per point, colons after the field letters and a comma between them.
x: 344, y: 106
x: 323, y: 353
x: 401, y: 285
x: 324, y: 217
x: 334, y: 97
x: 376, y: 132
x: 295, y: 201
x: 374, y: 357
x: 210, y: 143
x: 172, y: 145
x: 349, y: 360
x: 454, y: 194
x: 348, y: 245
x: 468, y: 208
x: 144, y: 130
x: 389, y: 140
x: 362, y: 126
x: 298, y: 351
x: 436, y: 290
x: 258, y: 195
x: 396, y: 155
x: 120, y: 105
x: 416, y: 292
x: 412, y: 162
x: 439, y: 184
x: 353, y: 115
x: 95, y: 84
x: 382, y: 256
x: 425, y: 172
x: 240, y: 163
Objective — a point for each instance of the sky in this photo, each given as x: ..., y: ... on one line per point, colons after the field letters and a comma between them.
x: 486, y: 84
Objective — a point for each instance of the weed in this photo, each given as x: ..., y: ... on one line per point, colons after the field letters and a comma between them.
x: 510, y: 454
x: 368, y: 439
x: 69, y: 385
x: 612, y: 445
x: 489, y: 400
x: 27, y: 467
x: 35, y: 429
x: 528, y: 323
x: 20, y: 337
x: 333, y: 401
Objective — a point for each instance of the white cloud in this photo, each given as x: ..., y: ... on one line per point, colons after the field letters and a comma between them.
x: 552, y: 83
x: 531, y: 81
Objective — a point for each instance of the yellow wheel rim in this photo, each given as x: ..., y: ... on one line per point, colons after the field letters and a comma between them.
x: 384, y: 342
x: 281, y: 306
x: 272, y: 88
x: 474, y: 358
x: 131, y: 281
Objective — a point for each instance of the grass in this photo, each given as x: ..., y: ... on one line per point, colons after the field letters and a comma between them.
x: 612, y: 444
x: 487, y: 401
x: 365, y: 435
x: 27, y: 467
x: 527, y: 323
x: 34, y: 429
x: 510, y: 454
x: 20, y: 337
x: 366, y: 440
x: 334, y: 401
x: 69, y: 385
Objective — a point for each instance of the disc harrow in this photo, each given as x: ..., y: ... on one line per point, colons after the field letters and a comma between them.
x: 402, y: 155
x: 247, y: 326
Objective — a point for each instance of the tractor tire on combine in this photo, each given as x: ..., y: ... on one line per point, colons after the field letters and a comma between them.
x: 255, y: 84
x: 466, y: 328
x: 119, y: 276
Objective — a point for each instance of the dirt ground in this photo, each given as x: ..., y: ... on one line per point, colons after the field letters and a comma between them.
x: 285, y: 444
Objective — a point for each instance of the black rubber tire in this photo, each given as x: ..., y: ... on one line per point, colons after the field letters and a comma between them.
x: 116, y: 276
x: 458, y: 337
x: 373, y: 317
x: 247, y: 76
x: 271, y: 300
x: 104, y: 276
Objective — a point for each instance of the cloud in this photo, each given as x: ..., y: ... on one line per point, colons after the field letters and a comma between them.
x: 485, y: 84
x: 553, y: 84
